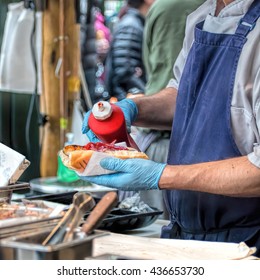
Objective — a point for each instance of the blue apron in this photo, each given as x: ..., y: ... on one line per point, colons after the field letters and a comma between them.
x: 202, y: 133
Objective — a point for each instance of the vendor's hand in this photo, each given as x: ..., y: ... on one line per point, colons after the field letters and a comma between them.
x: 132, y: 174
x: 130, y: 111
x: 86, y: 130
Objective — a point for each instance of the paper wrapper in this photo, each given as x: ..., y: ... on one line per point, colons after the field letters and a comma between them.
x: 93, y: 167
x: 12, y: 165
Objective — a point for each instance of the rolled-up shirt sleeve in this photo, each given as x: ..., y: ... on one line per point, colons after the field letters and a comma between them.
x: 254, y: 157
x: 179, y: 66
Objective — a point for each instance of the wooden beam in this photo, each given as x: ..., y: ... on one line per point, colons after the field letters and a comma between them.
x: 60, y: 48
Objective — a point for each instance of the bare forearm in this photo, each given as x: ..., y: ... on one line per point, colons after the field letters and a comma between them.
x: 233, y: 177
x: 156, y: 111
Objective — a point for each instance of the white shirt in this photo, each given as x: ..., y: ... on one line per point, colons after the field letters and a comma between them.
x: 245, y: 105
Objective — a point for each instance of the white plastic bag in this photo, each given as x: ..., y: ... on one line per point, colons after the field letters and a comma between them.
x: 17, y: 70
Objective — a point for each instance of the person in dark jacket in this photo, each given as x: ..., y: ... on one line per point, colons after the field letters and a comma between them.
x: 125, y: 71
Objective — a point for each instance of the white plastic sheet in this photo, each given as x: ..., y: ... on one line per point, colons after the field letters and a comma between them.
x: 12, y: 165
x: 17, y: 67
x: 77, y: 120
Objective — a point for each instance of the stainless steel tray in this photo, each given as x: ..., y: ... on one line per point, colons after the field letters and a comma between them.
x: 28, y: 247
x: 27, y: 225
x: 7, y: 191
x: 17, y: 218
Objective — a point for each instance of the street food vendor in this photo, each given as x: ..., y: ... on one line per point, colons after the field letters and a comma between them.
x: 211, y: 182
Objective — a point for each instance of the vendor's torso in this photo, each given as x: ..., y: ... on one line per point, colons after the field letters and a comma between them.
x: 202, y: 132
x: 245, y: 116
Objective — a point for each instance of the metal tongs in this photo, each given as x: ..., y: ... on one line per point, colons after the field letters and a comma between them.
x: 64, y: 230
x: 103, y: 207
x: 94, y: 219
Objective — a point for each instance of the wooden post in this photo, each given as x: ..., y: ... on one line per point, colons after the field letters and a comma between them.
x: 60, y: 62
x: 61, y: 73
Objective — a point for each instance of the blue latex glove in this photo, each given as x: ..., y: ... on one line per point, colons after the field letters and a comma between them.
x: 129, y: 109
x: 86, y: 130
x: 132, y: 174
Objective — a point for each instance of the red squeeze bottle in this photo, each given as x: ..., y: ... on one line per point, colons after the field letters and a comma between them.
x: 107, y: 121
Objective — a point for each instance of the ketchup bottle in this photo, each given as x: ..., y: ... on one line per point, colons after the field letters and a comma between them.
x: 107, y: 121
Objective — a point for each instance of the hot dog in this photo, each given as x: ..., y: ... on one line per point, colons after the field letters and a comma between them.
x: 76, y: 157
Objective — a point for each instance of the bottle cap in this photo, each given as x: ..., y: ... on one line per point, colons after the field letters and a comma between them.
x: 102, y: 110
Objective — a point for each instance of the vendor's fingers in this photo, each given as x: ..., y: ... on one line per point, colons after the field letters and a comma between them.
x: 122, y: 165
x: 111, y: 163
x: 92, y: 137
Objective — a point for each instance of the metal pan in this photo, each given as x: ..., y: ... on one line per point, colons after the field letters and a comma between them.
x: 17, y: 218
x: 27, y: 225
x: 29, y: 247
x: 7, y: 191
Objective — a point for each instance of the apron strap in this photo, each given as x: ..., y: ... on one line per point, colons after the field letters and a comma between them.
x: 248, y: 22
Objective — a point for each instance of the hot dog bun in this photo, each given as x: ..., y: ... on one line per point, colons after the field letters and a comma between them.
x: 77, y: 157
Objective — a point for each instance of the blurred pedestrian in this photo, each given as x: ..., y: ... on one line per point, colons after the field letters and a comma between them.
x: 124, y: 65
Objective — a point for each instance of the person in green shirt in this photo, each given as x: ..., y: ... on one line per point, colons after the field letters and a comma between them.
x: 163, y: 39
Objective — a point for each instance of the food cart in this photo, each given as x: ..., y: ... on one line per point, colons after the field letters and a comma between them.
x: 117, y: 233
